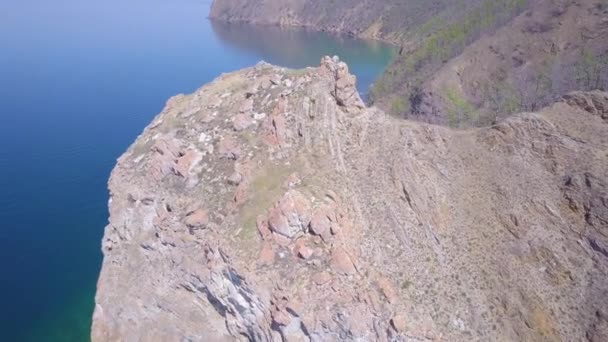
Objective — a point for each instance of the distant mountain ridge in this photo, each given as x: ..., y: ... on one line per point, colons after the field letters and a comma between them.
x: 554, y: 45
x: 388, y: 20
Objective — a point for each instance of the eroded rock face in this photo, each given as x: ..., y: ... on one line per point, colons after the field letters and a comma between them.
x: 272, y: 205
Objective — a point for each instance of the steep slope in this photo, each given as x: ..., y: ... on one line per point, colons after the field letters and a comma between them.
x: 385, y: 19
x: 399, y: 22
x: 461, y: 63
x: 272, y: 205
x: 554, y: 48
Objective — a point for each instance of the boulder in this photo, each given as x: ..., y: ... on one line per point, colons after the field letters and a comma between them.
x: 320, y: 224
x: 345, y: 91
x: 197, y: 218
x: 291, y: 215
x: 242, y: 121
x: 185, y: 162
x: 399, y: 323
x: 228, y: 148
x: 302, y: 250
x: 341, y: 262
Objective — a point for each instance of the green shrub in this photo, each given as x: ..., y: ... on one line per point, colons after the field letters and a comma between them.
x: 400, y: 105
x: 458, y: 110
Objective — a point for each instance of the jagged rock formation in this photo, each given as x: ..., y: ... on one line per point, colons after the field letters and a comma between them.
x: 272, y: 205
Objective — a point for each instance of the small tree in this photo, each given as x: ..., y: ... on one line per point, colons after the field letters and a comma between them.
x: 589, y: 70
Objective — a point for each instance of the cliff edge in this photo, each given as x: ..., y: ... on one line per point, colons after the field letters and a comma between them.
x: 272, y: 205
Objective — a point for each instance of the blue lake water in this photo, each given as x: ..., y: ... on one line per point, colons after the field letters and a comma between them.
x: 80, y: 79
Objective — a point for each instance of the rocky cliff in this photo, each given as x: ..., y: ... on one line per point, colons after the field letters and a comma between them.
x: 272, y: 205
x: 396, y: 21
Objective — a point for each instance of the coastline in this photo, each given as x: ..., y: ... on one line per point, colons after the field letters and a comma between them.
x: 307, y: 27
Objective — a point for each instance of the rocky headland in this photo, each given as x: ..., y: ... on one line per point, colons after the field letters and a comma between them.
x: 273, y: 205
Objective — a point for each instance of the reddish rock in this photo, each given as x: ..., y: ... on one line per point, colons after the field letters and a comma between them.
x: 320, y: 224
x: 262, y: 225
x: 291, y: 215
x: 278, y: 222
x: 228, y: 148
x: 373, y: 301
x: 161, y: 216
x: 293, y: 180
x: 297, y: 209
x: 266, y: 256
x: 334, y: 228
x: 246, y: 106
x: 341, y: 262
x: 302, y: 250
x: 398, y: 323
x: 281, y: 317
x: 305, y: 252
x: 422, y: 327
x: 241, y: 122
x: 387, y: 289
x: 346, y: 226
x: 359, y: 321
x: 184, y: 163
x: 166, y: 147
x: 321, y: 278
x: 275, y: 126
x: 240, y: 195
x: 162, y: 161
x: 197, y: 218
x: 319, y: 252
x: 345, y: 91
x: 295, y: 305
x: 281, y: 240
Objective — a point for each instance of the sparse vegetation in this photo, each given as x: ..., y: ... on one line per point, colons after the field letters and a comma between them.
x: 400, y: 105
x: 591, y: 70
x: 444, y: 38
x: 519, y: 74
x: 542, y: 85
x: 267, y: 187
x: 459, y: 109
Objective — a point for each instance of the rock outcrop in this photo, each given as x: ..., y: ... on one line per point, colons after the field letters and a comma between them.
x: 272, y: 205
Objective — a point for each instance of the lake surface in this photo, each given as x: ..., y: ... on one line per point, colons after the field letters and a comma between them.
x: 80, y: 79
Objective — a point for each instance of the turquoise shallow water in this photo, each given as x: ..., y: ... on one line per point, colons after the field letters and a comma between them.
x: 79, y: 80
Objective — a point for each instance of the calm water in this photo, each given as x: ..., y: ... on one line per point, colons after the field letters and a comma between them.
x: 79, y: 80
